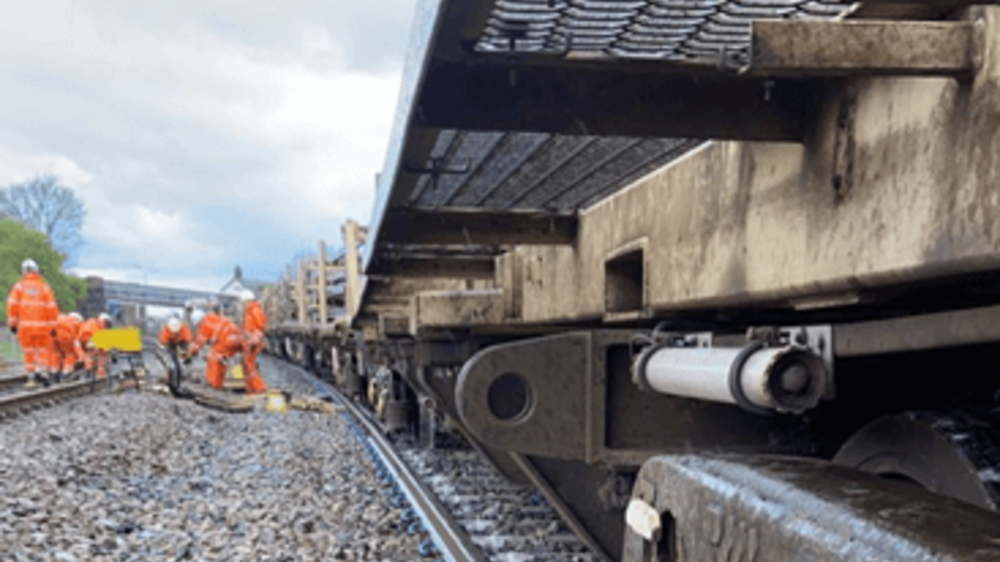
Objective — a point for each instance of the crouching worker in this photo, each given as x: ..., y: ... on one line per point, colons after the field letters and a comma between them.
x: 226, y: 341
x: 175, y: 336
x: 68, y: 351
x: 91, y: 353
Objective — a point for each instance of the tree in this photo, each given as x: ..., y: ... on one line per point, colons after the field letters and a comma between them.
x: 45, y: 205
x: 18, y: 243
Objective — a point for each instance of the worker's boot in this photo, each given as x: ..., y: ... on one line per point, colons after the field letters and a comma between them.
x: 31, y: 383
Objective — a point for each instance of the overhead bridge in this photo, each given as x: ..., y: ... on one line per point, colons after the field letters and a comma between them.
x: 101, y: 291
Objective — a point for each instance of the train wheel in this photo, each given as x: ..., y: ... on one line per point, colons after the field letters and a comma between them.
x: 954, y: 455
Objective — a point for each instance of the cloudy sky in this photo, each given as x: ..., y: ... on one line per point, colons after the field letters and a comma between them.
x: 202, y: 134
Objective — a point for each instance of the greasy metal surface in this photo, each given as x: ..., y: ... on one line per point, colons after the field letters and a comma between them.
x: 854, y: 47
x: 951, y: 454
x: 707, y: 32
x: 584, y: 406
x: 785, y: 509
x: 912, y: 333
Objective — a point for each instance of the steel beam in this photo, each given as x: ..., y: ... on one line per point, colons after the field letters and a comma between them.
x: 805, y: 47
x: 480, y: 227
x: 915, y: 333
x: 456, y: 309
x: 451, y: 267
x: 614, y: 101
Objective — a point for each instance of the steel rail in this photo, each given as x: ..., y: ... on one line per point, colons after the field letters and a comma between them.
x: 22, y: 401
x: 13, y: 380
x: 451, y: 540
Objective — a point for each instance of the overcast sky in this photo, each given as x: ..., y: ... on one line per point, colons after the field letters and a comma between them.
x: 202, y: 134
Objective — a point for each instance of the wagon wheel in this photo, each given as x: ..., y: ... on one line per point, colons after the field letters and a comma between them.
x: 954, y: 455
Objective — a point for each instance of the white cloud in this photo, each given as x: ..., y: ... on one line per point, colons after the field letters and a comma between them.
x: 18, y: 167
x: 202, y: 134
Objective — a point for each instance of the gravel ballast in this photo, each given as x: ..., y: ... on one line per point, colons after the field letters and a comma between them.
x: 142, y: 476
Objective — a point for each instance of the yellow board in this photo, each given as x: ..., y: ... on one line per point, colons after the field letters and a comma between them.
x: 120, y: 339
x: 277, y: 401
x: 236, y: 372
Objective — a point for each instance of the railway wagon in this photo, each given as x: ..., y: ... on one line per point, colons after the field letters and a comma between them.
x: 721, y: 278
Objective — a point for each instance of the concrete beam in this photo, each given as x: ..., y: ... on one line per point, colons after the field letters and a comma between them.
x: 480, y: 227
x: 802, y: 47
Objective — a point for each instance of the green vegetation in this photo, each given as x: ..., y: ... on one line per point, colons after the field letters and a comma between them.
x: 18, y: 243
x: 9, y: 350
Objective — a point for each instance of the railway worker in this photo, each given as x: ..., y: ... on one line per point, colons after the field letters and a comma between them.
x: 226, y: 340
x: 68, y: 351
x: 87, y: 331
x: 254, y: 324
x: 175, y: 336
x: 31, y: 315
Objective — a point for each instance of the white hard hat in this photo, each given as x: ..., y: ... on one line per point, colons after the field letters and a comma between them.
x: 247, y: 295
x: 174, y: 325
x: 77, y: 316
x: 197, y: 316
x: 29, y: 265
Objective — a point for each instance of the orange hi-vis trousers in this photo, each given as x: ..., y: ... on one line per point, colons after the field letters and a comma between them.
x: 215, y: 369
x: 253, y: 345
x: 67, y: 354
x: 37, y: 349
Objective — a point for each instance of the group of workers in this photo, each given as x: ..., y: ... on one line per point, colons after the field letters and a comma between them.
x: 53, y: 343
x: 224, y: 339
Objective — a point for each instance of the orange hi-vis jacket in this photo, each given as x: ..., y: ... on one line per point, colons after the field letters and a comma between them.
x: 88, y: 329
x: 219, y: 332
x: 31, y: 307
x: 254, y: 319
x: 169, y: 338
x: 67, y: 329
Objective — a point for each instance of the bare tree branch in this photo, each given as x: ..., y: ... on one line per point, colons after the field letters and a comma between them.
x: 45, y: 205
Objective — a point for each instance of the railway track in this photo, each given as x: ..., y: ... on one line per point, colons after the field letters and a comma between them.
x: 20, y: 402
x: 9, y: 382
x: 472, y: 512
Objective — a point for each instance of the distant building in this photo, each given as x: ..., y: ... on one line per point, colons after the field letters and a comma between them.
x: 238, y: 284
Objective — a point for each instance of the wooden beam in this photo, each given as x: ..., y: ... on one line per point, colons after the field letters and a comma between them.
x: 450, y: 267
x: 479, y: 227
x: 803, y: 47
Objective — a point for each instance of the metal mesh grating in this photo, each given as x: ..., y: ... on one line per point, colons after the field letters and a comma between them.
x: 537, y: 170
x: 685, y: 31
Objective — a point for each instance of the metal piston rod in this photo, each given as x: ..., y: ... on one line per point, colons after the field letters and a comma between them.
x: 786, y: 379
